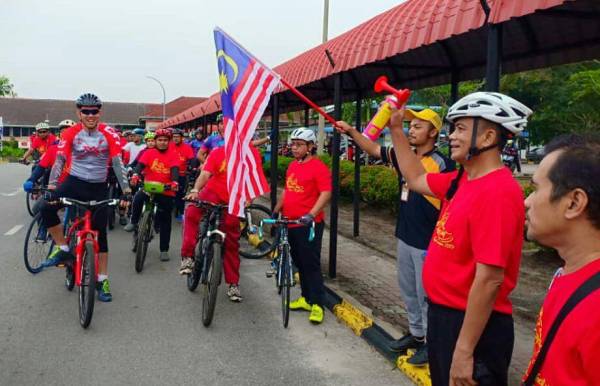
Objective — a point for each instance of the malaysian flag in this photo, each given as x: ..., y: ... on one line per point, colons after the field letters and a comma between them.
x: 246, y: 85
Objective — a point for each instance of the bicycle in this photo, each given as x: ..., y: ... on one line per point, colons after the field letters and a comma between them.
x: 143, y: 235
x: 254, y: 244
x: 113, y: 193
x: 85, y: 267
x: 284, y: 278
x: 39, y: 245
x: 208, y: 263
x: 32, y: 197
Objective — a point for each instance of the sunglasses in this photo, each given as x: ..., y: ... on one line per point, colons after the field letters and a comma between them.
x: 42, y: 131
x: 89, y: 111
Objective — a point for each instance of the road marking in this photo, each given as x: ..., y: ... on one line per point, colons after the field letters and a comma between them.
x: 11, y: 193
x: 13, y: 230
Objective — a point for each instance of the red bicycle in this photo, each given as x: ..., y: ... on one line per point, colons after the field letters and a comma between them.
x: 85, y: 266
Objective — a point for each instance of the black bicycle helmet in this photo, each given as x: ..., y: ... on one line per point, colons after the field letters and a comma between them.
x: 177, y: 131
x: 88, y: 100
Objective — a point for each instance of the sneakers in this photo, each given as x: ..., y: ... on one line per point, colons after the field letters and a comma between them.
x: 404, y: 343
x: 272, y: 270
x: 122, y: 220
x: 164, y: 256
x: 420, y: 357
x: 187, y: 265
x: 58, y: 256
x: 300, y: 304
x: 103, y: 289
x: 129, y: 227
x: 316, y: 314
x: 234, y: 294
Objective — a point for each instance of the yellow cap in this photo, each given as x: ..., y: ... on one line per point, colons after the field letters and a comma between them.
x: 426, y: 115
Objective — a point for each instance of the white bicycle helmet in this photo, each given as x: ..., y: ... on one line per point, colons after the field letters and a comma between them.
x: 493, y: 106
x: 304, y: 134
x: 66, y: 123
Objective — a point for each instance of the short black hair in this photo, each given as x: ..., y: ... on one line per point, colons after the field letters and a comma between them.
x: 577, y: 167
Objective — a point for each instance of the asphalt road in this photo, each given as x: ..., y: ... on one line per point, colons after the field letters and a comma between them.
x: 152, y: 333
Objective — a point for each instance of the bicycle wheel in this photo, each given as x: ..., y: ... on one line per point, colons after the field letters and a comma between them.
x: 144, y: 234
x: 252, y: 246
x: 38, y: 245
x: 286, y: 284
x: 213, y: 277
x: 194, y: 278
x: 30, y: 202
x: 87, y: 288
x: 112, y: 212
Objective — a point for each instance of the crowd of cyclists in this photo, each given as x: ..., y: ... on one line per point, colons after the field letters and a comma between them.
x: 459, y: 237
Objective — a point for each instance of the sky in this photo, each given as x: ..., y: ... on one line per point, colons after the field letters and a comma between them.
x: 59, y: 49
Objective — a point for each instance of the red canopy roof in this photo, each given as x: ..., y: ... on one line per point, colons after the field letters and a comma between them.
x: 420, y: 42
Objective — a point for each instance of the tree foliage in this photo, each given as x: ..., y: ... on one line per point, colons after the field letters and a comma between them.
x: 6, y: 88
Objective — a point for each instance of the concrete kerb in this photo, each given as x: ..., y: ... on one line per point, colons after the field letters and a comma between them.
x: 349, y: 312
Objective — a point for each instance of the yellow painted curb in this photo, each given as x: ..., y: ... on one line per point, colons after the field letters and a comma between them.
x: 352, y: 317
x: 419, y: 375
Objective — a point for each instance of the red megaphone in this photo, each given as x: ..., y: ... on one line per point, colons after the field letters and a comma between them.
x: 381, y: 84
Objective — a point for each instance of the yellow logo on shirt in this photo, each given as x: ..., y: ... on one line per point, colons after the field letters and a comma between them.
x: 292, y: 184
x: 441, y: 236
x: 159, y: 167
x: 537, y: 346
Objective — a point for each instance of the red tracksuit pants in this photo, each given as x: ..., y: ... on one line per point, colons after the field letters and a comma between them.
x: 231, y: 227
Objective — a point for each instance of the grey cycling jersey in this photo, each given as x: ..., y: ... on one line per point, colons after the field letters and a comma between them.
x: 89, y: 159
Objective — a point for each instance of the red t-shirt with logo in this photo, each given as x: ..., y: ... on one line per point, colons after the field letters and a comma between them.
x: 304, y: 182
x: 216, y: 165
x: 573, y: 356
x: 185, y: 153
x: 41, y: 145
x: 483, y: 223
x: 158, y: 166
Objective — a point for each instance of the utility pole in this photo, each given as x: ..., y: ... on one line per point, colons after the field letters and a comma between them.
x: 321, y: 133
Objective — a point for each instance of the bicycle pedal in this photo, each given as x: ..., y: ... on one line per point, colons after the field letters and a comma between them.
x: 61, y: 265
x: 269, y: 274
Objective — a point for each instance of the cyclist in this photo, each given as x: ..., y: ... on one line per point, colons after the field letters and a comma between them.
x: 85, y: 150
x: 185, y: 154
x: 159, y: 164
x: 136, y: 145
x: 40, y: 141
x: 472, y: 263
x: 150, y: 141
x: 211, y: 186
x: 213, y: 141
x: 197, y: 141
x: 307, y: 191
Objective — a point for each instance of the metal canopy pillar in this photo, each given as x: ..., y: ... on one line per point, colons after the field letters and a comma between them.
x: 494, y: 57
x: 274, y: 149
x: 357, y: 152
x: 335, y: 175
x: 306, y: 120
x: 454, y: 86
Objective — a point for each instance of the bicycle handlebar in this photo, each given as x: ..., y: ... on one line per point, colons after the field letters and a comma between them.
x: 284, y: 221
x: 88, y: 204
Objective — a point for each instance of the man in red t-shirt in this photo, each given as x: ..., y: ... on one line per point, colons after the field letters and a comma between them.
x: 472, y: 262
x: 186, y: 154
x: 160, y: 164
x: 40, y: 141
x: 211, y: 186
x: 307, y: 191
x: 563, y: 212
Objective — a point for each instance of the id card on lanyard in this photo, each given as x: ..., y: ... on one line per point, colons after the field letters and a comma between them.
x: 404, y: 192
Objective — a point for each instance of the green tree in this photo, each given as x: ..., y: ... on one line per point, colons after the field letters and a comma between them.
x: 6, y: 88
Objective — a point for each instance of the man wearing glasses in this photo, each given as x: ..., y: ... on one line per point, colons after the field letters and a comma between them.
x: 85, y: 150
x: 40, y: 141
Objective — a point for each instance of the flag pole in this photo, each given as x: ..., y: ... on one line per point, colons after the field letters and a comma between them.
x: 308, y: 101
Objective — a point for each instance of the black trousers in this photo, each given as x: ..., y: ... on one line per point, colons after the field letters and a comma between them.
x: 78, y: 189
x: 179, y: 203
x: 307, y: 257
x: 492, y: 353
x: 164, y: 207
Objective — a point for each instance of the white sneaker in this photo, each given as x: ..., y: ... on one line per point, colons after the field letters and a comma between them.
x: 187, y: 264
x: 234, y: 294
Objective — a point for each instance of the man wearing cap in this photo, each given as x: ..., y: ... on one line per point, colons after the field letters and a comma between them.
x: 417, y: 216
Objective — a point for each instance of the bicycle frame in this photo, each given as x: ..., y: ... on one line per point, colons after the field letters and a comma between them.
x: 82, y: 229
